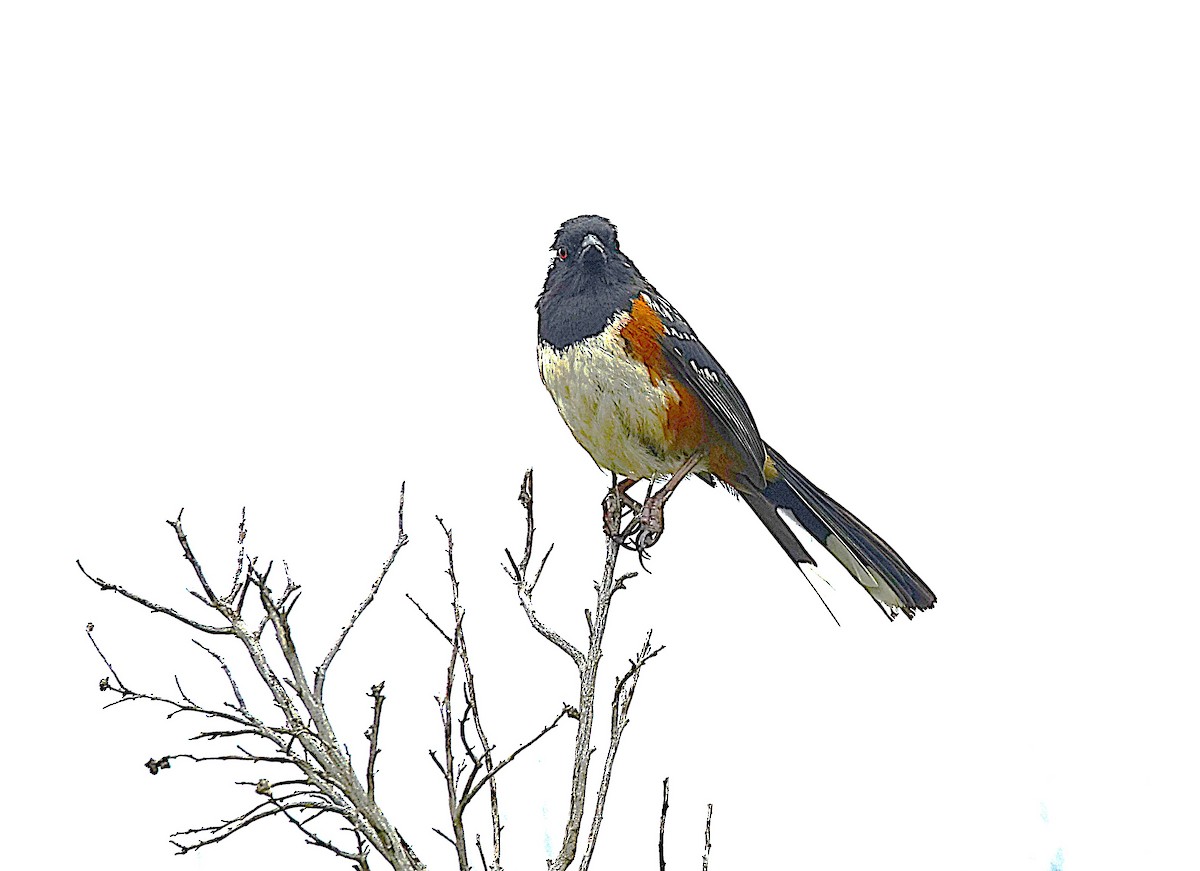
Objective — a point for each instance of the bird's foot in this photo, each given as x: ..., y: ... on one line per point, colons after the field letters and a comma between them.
x: 650, y: 522
x: 629, y: 538
x: 614, y: 505
x: 612, y: 509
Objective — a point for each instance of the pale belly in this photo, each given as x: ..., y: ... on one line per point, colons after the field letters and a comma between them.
x: 611, y: 405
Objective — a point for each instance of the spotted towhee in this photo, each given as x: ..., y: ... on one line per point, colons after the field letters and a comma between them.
x: 648, y: 401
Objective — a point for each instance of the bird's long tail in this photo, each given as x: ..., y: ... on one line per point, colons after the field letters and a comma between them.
x: 867, y: 557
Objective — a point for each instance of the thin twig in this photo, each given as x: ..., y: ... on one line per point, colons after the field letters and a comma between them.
x: 517, y: 570
x: 432, y: 622
x: 445, y: 706
x: 472, y: 706
x: 587, y: 711
x: 237, y: 591
x: 377, y: 696
x: 587, y: 663
x: 479, y: 847
x: 154, y: 607
x: 109, y: 665
x: 707, y: 840
x: 323, y: 668
x: 177, y: 525
x: 622, y: 700
x: 237, y: 693
x: 662, y: 827
x: 525, y: 497
x: 566, y: 711
x: 327, y: 783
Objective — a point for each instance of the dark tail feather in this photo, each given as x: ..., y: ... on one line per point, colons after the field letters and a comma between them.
x: 769, y: 515
x: 868, y: 558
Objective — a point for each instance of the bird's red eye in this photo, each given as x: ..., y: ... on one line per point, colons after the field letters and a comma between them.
x: 562, y: 253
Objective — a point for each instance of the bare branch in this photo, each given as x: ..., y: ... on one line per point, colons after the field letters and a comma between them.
x: 177, y: 525
x: 432, y: 622
x: 566, y: 711
x: 90, y: 629
x: 518, y: 570
x: 437, y: 762
x: 315, y: 839
x: 525, y: 497
x: 327, y: 782
x: 589, y: 669
x: 154, y: 607
x: 182, y: 694
x: 206, y: 835
x: 284, y: 760
x: 323, y: 668
x: 445, y: 706
x: 237, y: 591
x: 324, y: 784
x: 538, y: 574
x: 707, y: 840
x: 186, y: 706
x: 587, y: 663
x: 472, y: 708
x: 376, y: 694
x: 622, y: 700
x: 237, y: 693
x: 550, y: 635
x: 662, y: 826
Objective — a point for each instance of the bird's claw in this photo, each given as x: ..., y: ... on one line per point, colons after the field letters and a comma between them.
x: 629, y: 540
x: 649, y: 528
x: 646, y: 539
x: 612, y: 509
x: 643, y: 531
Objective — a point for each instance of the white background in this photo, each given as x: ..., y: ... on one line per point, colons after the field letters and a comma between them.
x: 285, y: 257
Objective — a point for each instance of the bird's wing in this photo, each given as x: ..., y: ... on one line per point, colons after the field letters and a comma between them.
x: 695, y: 366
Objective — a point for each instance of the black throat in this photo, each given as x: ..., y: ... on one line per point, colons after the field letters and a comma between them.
x: 578, y: 300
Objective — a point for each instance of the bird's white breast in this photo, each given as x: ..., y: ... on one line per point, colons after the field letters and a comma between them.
x: 610, y: 403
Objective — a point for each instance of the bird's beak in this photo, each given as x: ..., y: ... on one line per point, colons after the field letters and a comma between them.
x: 590, y: 244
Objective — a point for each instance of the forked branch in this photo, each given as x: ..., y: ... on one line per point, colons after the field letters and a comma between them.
x: 324, y: 785
x: 587, y: 663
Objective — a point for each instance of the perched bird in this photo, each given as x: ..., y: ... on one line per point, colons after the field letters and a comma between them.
x: 648, y: 401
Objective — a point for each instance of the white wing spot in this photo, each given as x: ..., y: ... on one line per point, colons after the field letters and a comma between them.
x: 661, y: 306
x: 705, y: 373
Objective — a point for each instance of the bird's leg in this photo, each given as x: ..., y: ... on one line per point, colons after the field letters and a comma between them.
x: 651, y: 517
x: 615, y: 502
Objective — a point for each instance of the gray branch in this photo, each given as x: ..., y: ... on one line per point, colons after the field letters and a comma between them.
x: 298, y: 734
x: 327, y: 783
x: 587, y: 663
x: 480, y: 769
x: 323, y: 668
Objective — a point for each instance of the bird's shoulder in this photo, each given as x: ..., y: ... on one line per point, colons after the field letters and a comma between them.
x: 680, y: 352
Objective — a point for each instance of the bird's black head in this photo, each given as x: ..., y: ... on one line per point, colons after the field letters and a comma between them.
x: 588, y: 282
x: 588, y: 240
